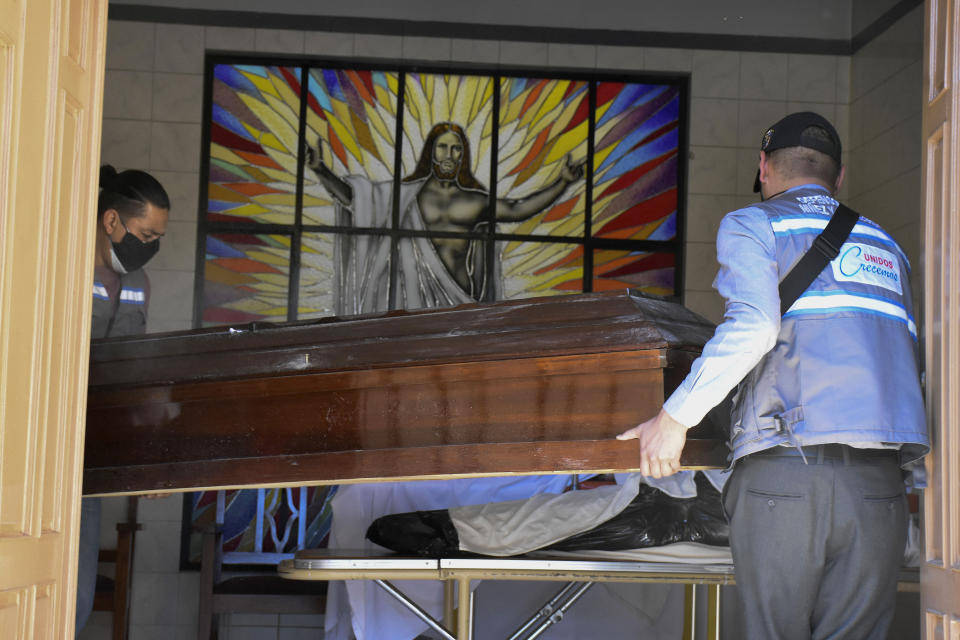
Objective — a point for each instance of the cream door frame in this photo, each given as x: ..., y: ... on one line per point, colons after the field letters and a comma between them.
x: 940, y: 572
x: 51, y: 94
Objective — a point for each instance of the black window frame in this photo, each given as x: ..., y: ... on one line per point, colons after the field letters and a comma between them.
x: 491, y: 236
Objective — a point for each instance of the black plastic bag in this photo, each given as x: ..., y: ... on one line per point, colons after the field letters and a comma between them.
x: 652, y: 519
x: 430, y: 534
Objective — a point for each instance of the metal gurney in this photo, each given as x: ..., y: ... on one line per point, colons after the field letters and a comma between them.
x: 577, y: 574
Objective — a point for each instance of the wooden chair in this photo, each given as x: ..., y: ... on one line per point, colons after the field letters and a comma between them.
x: 263, y: 593
x: 113, y: 594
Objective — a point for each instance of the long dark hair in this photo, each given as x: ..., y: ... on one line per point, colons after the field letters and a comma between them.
x: 129, y: 192
x: 424, y: 166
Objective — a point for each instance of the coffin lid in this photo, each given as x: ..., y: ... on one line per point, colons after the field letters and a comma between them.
x: 533, y: 327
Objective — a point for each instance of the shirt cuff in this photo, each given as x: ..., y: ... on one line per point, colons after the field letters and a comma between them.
x: 686, y: 413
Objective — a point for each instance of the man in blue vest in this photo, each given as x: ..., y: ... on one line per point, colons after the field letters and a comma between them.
x: 828, y: 412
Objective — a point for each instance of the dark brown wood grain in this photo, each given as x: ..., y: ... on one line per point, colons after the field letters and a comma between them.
x: 445, y: 461
x: 528, y: 386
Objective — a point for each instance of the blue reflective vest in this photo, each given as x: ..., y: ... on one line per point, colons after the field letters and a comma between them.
x: 845, y: 364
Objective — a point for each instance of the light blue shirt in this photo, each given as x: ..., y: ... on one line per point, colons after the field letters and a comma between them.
x: 748, y: 280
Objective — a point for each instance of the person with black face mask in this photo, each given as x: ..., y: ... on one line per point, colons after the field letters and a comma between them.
x: 132, y: 212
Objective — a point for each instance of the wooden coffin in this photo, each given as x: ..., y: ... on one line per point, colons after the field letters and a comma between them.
x: 525, y: 386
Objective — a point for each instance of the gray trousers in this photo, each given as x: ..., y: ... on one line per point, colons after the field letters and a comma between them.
x: 817, y: 547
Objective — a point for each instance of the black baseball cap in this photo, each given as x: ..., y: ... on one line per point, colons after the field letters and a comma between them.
x: 788, y: 132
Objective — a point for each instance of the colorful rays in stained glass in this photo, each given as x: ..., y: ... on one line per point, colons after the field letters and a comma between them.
x: 354, y: 113
x: 317, y: 274
x: 253, y: 143
x: 543, y: 125
x: 246, y: 278
x: 541, y: 268
x: 636, y: 161
x: 649, y: 272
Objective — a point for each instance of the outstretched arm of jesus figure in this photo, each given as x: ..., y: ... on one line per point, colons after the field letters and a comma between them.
x: 339, y: 189
x: 515, y: 210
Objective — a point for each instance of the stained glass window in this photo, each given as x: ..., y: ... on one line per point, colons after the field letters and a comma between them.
x: 337, y: 189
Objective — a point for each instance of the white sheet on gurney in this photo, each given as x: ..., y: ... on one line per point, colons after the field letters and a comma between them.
x: 520, y: 526
x: 364, y: 608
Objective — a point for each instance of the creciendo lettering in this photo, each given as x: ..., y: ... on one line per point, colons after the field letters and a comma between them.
x: 867, y: 263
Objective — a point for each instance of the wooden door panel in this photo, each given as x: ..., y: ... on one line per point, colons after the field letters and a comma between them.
x: 51, y: 69
x: 940, y: 573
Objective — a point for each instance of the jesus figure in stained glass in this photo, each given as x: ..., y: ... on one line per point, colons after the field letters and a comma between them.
x: 440, y: 195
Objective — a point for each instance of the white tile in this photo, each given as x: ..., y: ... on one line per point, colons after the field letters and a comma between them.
x: 157, y: 548
x: 125, y: 144
x: 713, y: 122
x: 754, y: 119
x: 238, y: 39
x: 656, y: 59
x: 127, y: 94
x: 895, y: 205
x: 524, y: 53
x: 252, y: 633
x: 616, y: 57
x: 891, y: 154
x: 372, y: 45
x: 712, y: 170
x: 889, y: 53
x: 161, y: 632
x: 279, y: 41
x: 896, y: 99
x: 160, y: 509
x: 841, y: 123
x: 171, y: 302
x: 253, y: 620
x: 826, y: 109
x: 153, y: 598
x: 178, y: 97
x: 859, y: 112
x: 709, y: 304
x: 425, y: 48
x: 130, y: 45
x: 188, y: 599
x: 763, y: 76
x: 178, y: 248
x: 716, y: 74
x: 700, y: 266
x: 867, y: 69
x: 113, y: 509
x: 299, y: 633
x: 910, y: 238
x: 326, y: 43
x: 179, y: 48
x: 704, y: 213
x: 843, y: 79
x: 572, y: 55
x: 164, y: 324
x: 99, y: 627
x: 183, y: 188
x: 747, y: 172
x: 174, y: 146
x: 855, y: 180
x: 812, y: 78
x: 476, y: 51
x: 302, y: 620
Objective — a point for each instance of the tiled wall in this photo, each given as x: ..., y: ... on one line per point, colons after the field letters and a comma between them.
x: 152, y: 115
x: 883, y: 172
x: 153, y: 104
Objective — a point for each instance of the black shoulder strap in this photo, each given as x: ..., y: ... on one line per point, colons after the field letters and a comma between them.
x: 825, y: 248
